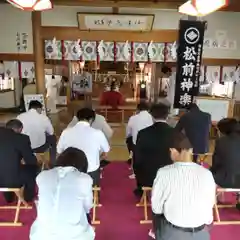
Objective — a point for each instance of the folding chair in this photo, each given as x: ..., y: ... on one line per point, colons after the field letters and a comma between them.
x: 216, y: 207
x: 202, y: 157
x: 43, y: 160
x: 145, y: 204
x: 18, y: 193
x: 96, y: 204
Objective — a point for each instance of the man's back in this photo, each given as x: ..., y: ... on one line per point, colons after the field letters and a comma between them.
x: 91, y: 141
x: 99, y: 123
x: 152, y: 151
x: 138, y: 122
x: 196, y: 125
x: 35, y: 125
x: 189, y: 191
x: 11, y: 145
x: 226, y: 163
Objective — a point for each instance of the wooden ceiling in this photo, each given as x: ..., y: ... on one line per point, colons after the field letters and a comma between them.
x: 234, y: 5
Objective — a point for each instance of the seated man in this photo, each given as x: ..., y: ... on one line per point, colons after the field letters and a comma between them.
x: 112, y: 98
x: 91, y: 141
x: 136, y: 123
x: 152, y: 148
x: 39, y: 129
x: 99, y: 123
x: 183, y: 196
x: 196, y: 125
x: 226, y: 162
x: 18, y: 164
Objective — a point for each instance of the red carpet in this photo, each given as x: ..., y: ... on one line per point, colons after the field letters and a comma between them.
x: 119, y: 216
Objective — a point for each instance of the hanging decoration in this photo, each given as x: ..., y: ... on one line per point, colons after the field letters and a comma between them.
x: 101, y: 50
x: 165, y: 52
x: 115, y: 51
x: 24, y: 41
x: 127, y: 51
x: 18, y: 42
x: 33, y: 5
x: 173, y: 51
x: 55, y: 47
x: 151, y: 51
x: 78, y: 48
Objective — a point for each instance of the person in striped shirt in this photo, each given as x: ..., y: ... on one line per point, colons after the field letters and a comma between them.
x: 183, y: 196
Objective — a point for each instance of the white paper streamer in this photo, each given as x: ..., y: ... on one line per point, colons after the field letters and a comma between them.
x: 150, y: 51
x: 174, y: 50
x: 237, y: 75
x: 101, y: 50
x: 78, y: 48
x: 126, y: 50
x: 54, y: 46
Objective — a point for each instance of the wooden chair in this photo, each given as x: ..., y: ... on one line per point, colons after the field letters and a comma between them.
x: 43, y: 160
x: 216, y: 207
x: 202, y: 157
x: 18, y: 193
x: 96, y: 204
x: 145, y: 204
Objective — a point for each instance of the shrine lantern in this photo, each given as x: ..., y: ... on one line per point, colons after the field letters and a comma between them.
x: 32, y: 5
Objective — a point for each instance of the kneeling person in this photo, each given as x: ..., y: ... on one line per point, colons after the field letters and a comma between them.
x: 183, y: 196
x: 18, y: 164
x: 39, y: 129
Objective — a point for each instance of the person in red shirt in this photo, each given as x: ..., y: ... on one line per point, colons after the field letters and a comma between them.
x: 112, y: 98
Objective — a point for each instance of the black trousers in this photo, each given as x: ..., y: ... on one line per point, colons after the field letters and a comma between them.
x: 28, y: 175
x: 129, y: 143
x: 51, y: 145
x: 95, y: 175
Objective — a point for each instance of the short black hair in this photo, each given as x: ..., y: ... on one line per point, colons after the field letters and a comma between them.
x: 85, y: 114
x: 73, y: 157
x: 193, y: 106
x: 142, y: 106
x: 14, y: 124
x: 228, y: 125
x: 180, y: 142
x: 159, y: 110
x: 35, y: 104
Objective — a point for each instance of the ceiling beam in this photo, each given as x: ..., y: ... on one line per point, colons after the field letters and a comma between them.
x: 130, y: 4
x: 73, y: 33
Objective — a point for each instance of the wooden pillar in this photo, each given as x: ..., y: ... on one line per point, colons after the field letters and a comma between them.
x: 38, y: 51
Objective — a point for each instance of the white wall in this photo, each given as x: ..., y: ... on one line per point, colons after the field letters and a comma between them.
x: 13, y: 20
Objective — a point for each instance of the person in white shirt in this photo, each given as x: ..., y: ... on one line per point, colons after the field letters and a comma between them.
x: 39, y: 129
x: 142, y: 119
x: 91, y: 141
x: 65, y: 199
x: 99, y: 123
x: 183, y: 196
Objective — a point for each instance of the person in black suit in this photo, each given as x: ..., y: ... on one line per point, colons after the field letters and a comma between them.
x: 226, y: 161
x: 196, y: 125
x: 18, y: 164
x: 152, y: 148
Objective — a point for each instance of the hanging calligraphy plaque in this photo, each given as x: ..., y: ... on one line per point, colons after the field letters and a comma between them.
x: 191, y: 36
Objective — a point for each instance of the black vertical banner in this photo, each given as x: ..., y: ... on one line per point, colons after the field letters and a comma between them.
x: 189, y: 57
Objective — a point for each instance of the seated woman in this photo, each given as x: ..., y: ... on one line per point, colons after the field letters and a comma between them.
x: 226, y: 161
x: 65, y: 199
x: 112, y: 97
